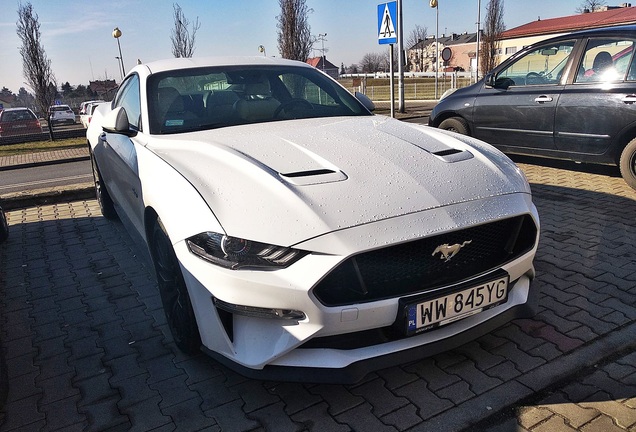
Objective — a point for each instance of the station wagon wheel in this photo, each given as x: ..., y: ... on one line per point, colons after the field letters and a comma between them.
x: 627, y: 164
x: 103, y: 197
x: 455, y: 124
x: 173, y: 292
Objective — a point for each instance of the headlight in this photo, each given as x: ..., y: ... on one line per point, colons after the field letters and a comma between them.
x: 236, y: 253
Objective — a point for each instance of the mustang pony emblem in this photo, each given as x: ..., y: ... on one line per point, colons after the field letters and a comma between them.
x: 448, y: 251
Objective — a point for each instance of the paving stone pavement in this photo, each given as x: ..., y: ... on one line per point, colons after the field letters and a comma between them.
x: 87, y: 346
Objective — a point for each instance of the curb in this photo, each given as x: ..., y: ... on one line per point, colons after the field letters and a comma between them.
x: 43, y: 163
x: 32, y: 198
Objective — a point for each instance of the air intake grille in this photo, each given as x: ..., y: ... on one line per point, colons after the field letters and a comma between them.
x: 411, y: 267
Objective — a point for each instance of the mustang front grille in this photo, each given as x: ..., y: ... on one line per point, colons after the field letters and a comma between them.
x: 423, y: 265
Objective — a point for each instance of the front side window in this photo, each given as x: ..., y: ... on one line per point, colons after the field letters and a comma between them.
x: 607, y: 60
x: 128, y: 98
x: 541, y: 66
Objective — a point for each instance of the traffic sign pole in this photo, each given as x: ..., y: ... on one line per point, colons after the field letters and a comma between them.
x: 387, y: 23
x: 392, y: 81
x: 400, y: 57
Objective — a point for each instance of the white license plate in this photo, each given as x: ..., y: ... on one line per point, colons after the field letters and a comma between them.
x: 424, y: 315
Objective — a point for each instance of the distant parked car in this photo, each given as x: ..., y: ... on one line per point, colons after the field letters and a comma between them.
x: 62, y: 114
x: 85, y: 118
x: 4, y: 226
x: 18, y: 121
x: 570, y: 97
x: 85, y: 104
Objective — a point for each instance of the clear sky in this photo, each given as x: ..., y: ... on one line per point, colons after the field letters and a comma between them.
x: 77, y: 34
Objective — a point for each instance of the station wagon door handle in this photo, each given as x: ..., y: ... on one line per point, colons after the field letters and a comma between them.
x: 629, y: 99
x: 543, y: 98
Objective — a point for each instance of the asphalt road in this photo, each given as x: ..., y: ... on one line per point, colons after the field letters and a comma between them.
x: 46, y: 176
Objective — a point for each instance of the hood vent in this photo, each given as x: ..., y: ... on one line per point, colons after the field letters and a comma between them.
x: 308, y: 173
x: 453, y: 155
x: 316, y: 176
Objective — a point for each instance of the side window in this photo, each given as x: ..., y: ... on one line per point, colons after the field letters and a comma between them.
x: 128, y: 98
x: 541, y: 66
x: 300, y: 87
x: 606, y: 60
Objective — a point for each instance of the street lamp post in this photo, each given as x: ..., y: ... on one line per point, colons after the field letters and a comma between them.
x: 117, y: 35
x: 119, y: 67
x: 478, y: 41
x: 261, y: 48
x: 434, y: 5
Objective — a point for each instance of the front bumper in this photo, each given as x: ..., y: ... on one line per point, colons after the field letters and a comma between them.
x: 266, y: 347
x: 356, y: 371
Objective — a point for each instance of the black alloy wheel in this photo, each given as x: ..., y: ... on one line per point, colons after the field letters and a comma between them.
x: 104, y: 200
x: 173, y: 291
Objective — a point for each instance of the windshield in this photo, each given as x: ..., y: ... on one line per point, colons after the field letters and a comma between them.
x: 197, y: 99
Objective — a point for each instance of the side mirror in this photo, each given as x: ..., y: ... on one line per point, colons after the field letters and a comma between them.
x: 364, y: 99
x: 116, y: 121
x: 490, y: 80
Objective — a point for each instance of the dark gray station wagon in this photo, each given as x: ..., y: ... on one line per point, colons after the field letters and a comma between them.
x: 571, y: 97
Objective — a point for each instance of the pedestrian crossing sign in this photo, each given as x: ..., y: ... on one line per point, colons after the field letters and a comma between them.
x: 387, y: 23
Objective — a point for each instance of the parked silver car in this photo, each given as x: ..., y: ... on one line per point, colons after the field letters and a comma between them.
x: 62, y: 114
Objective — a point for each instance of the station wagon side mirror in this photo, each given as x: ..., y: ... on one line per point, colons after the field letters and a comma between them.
x: 116, y: 121
x: 490, y: 80
x: 501, y: 83
x: 364, y: 99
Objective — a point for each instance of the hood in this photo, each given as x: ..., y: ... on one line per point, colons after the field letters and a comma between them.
x: 288, y: 181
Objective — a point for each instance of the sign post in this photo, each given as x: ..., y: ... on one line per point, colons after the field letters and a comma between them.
x: 387, y: 35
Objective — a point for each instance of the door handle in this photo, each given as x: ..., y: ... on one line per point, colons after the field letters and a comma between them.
x: 543, y: 98
x: 629, y: 99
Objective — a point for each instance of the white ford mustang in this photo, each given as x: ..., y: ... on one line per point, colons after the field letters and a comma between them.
x: 297, y: 236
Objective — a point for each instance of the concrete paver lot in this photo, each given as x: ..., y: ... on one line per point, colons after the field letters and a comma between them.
x: 87, y: 347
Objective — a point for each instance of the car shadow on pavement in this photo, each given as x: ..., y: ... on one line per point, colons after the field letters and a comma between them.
x: 607, y: 170
x: 85, y: 335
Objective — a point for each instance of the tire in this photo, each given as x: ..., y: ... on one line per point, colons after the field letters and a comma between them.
x: 455, y: 124
x: 4, y: 227
x: 106, y: 204
x: 173, y: 291
x: 627, y: 164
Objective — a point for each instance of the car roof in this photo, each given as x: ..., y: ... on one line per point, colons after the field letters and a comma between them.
x: 607, y: 31
x: 197, y: 62
x: 16, y: 109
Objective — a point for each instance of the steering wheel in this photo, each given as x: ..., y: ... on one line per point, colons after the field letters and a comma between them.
x: 300, y: 103
x: 534, y: 78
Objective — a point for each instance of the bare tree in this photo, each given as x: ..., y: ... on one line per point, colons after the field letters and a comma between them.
x: 590, y: 5
x: 417, y: 35
x: 182, y: 38
x: 372, y: 62
x: 36, y: 66
x: 491, y: 39
x: 294, y: 33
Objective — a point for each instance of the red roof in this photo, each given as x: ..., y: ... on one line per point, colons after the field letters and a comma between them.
x: 317, y: 62
x: 612, y: 17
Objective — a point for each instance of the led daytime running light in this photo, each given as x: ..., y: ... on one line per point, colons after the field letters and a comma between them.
x: 236, y: 253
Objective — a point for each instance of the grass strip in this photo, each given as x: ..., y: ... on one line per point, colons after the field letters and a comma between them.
x: 40, y: 146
